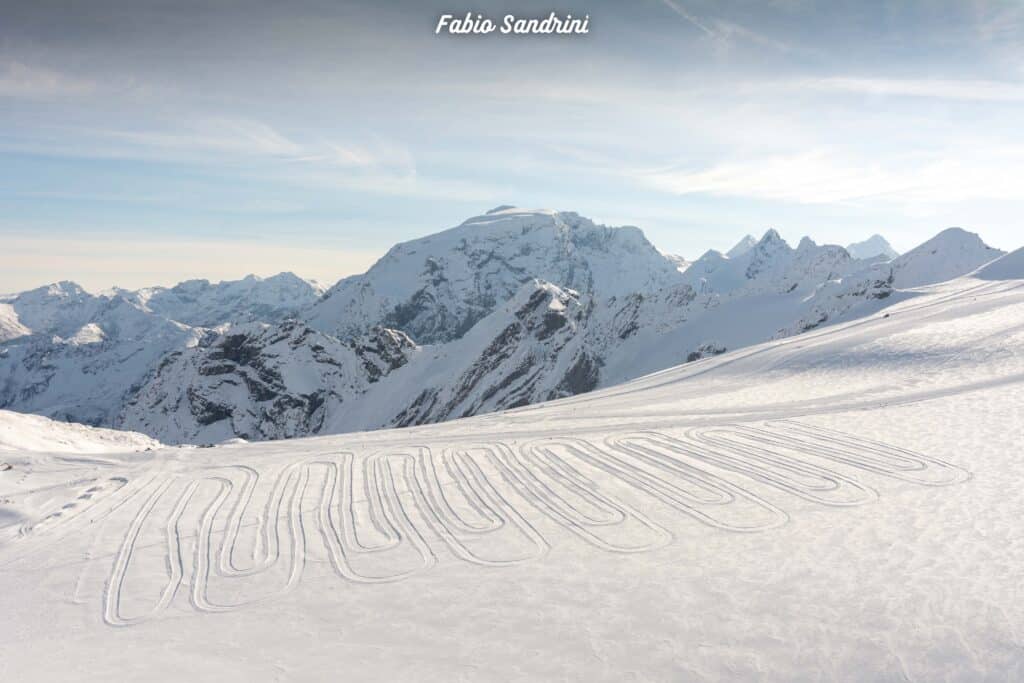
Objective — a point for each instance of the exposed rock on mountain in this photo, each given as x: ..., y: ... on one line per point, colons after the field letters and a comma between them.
x: 86, y: 353
x: 511, y: 308
x: 530, y: 349
x: 258, y: 381
x: 436, y: 288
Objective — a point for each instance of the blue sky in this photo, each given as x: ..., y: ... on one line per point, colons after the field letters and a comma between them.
x: 145, y: 143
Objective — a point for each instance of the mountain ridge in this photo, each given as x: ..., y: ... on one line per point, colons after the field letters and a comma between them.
x: 508, y: 308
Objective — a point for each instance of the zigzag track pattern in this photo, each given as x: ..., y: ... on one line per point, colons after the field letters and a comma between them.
x: 236, y: 535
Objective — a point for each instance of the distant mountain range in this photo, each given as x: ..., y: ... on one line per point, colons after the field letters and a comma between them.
x: 509, y: 308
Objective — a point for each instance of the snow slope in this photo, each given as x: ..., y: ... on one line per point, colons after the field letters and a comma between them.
x: 839, y: 505
x: 20, y: 432
x: 1007, y: 267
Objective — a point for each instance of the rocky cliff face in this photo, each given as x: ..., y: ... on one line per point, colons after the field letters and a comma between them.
x: 259, y: 381
x: 533, y: 348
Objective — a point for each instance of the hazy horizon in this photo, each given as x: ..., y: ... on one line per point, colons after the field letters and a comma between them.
x: 216, y: 265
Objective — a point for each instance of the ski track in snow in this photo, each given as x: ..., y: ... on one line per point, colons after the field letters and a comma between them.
x: 234, y: 535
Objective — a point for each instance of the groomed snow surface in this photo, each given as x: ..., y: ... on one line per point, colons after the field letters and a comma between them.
x: 839, y: 505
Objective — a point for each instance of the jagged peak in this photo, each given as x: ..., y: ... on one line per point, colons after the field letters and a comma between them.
x: 806, y: 243
x: 743, y: 246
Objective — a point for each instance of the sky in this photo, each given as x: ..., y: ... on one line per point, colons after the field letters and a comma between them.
x: 144, y: 143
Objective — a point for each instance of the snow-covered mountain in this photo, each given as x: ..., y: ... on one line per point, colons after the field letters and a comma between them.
x: 84, y: 353
x: 201, y: 304
x: 436, y: 288
x: 769, y: 266
x: 258, y: 382
x: 949, y: 254
x: 532, y: 348
x: 876, y: 245
x: 73, y: 355
x: 678, y: 261
x: 510, y: 308
x: 839, y: 506
x: 742, y: 247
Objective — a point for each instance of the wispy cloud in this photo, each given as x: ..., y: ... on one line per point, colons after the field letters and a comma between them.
x: 245, y: 137
x: 823, y: 177
x: 237, y: 136
x: 979, y: 90
x: 685, y: 14
x: 19, y: 80
x: 725, y: 32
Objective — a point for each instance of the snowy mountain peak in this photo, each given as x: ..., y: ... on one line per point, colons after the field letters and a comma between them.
x: 769, y: 266
x: 742, y: 247
x: 955, y: 240
x: 876, y: 245
x: 65, y: 288
x: 954, y: 237
x: 505, y: 212
x: 437, y: 287
x: 951, y: 253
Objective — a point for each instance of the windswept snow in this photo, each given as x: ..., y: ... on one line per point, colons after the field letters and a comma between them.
x: 20, y: 432
x: 839, y: 505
